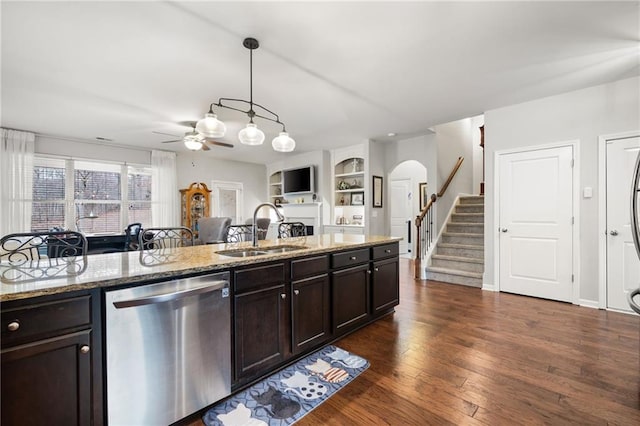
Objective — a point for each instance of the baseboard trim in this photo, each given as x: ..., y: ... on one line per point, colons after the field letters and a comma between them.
x: 489, y: 287
x: 588, y: 303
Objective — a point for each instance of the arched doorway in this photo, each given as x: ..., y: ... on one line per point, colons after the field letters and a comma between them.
x: 404, y: 201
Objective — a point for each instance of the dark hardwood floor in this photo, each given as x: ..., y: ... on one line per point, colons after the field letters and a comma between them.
x: 458, y: 355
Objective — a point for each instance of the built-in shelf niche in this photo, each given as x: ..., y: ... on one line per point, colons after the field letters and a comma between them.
x: 349, y: 190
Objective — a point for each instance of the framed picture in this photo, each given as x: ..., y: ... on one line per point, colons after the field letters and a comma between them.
x: 422, y: 190
x: 357, y: 198
x: 377, y: 191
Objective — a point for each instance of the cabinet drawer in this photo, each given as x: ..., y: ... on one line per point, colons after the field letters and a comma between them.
x: 44, y: 319
x: 387, y: 250
x: 309, y: 267
x: 348, y: 258
x: 252, y: 278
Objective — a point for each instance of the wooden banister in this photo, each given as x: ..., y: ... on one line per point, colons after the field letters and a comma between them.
x: 424, y: 223
x: 450, y: 178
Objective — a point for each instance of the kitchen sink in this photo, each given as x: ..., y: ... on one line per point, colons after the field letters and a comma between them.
x: 259, y: 251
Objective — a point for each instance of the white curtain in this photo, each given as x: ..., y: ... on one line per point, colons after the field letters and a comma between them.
x: 165, y: 206
x: 16, y: 180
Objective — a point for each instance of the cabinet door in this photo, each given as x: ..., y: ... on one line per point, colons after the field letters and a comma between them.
x: 48, y: 382
x: 310, y: 309
x: 350, y: 293
x: 384, y: 286
x: 260, y: 330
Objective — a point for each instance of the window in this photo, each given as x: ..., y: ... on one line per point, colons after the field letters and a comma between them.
x: 90, y: 196
x: 49, y: 201
x: 139, y: 190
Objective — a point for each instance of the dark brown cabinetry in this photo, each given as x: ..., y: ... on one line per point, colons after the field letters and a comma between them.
x: 51, y: 363
x: 310, y: 309
x: 384, y: 285
x: 384, y: 278
x: 261, y: 329
x: 350, y: 290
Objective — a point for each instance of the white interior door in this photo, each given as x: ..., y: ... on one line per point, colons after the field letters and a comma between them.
x: 535, y: 227
x: 400, y: 201
x: 623, y: 266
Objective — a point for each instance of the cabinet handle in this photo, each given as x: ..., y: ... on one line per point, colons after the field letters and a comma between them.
x: 283, y: 295
x: 353, y: 258
x: 84, y: 349
x: 296, y: 292
x: 387, y: 251
x: 369, y: 271
x: 376, y: 269
x: 13, y: 325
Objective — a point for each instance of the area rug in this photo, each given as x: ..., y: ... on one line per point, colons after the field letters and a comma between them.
x: 291, y: 393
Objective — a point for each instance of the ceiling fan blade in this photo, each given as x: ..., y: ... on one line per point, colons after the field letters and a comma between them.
x: 188, y: 123
x: 166, y: 134
x: 205, y: 147
x: 224, y: 144
x: 177, y: 140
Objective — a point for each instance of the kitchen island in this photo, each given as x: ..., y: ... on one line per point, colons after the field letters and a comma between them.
x: 284, y: 304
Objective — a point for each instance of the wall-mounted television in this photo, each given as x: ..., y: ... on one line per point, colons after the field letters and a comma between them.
x: 298, y: 181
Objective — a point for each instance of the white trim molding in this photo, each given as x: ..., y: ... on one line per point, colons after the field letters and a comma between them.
x: 602, y: 211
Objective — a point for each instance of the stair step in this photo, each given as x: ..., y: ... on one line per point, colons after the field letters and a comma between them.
x: 466, y: 228
x: 472, y: 199
x: 470, y: 208
x: 464, y: 250
x: 467, y: 218
x: 457, y: 263
x: 472, y: 279
x: 458, y: 238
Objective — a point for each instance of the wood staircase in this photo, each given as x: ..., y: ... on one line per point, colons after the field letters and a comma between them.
x: 458, y: 257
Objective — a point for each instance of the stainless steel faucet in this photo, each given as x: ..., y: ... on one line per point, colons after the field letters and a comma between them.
x: 254, y: 232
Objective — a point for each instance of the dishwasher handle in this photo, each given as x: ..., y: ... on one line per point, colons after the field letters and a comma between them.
x: 168, y: 297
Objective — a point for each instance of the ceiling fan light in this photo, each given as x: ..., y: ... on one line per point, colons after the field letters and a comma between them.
x: 251, y: 135
x: 210, y: 126
x: 283, y: 143
x: 193, y: 143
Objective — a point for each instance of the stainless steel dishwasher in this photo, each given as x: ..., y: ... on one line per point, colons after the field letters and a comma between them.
x: 168, y: 349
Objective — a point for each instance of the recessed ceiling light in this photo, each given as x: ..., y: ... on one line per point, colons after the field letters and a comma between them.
x: 391, y: 134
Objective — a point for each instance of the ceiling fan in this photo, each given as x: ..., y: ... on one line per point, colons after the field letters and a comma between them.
x: 193, y: 140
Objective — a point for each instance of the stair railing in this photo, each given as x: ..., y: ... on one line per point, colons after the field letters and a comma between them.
x: 424, y: 223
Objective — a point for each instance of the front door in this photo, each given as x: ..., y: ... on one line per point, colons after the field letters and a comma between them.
x: 623, y: 266
x: 535, y: 226
x: 401, y: 212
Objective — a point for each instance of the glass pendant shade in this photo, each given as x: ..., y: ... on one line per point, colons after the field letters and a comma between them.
x: 283, y: 143
x: 210, y: 126
x: 251, y: 135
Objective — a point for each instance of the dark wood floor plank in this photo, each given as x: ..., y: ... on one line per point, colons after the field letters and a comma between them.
x: 459, y: 355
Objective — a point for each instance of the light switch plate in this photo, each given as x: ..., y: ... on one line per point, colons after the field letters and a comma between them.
x: 587, y: 192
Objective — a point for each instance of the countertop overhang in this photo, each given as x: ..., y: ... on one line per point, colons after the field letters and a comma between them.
x: 113, y: 269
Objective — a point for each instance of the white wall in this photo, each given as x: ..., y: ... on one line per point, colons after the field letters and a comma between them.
x: 583, y: 115
x: 376, y: 218
x: 196, y: 167
x: 91, y: 150
x: 454, y: 140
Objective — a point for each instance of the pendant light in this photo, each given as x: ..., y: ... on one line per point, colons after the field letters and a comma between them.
x: 211, y: 127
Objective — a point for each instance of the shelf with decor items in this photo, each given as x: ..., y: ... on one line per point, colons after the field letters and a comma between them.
x: 275, y: 187
x: 349, y: 188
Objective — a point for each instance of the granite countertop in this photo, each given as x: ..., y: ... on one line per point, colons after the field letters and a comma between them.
x: 105, y: 270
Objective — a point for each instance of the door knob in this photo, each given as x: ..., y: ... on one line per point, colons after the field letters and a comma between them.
x: 614, y: 232
x: 503, y: 229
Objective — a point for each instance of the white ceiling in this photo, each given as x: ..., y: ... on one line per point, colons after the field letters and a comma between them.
x: 336, y: 73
